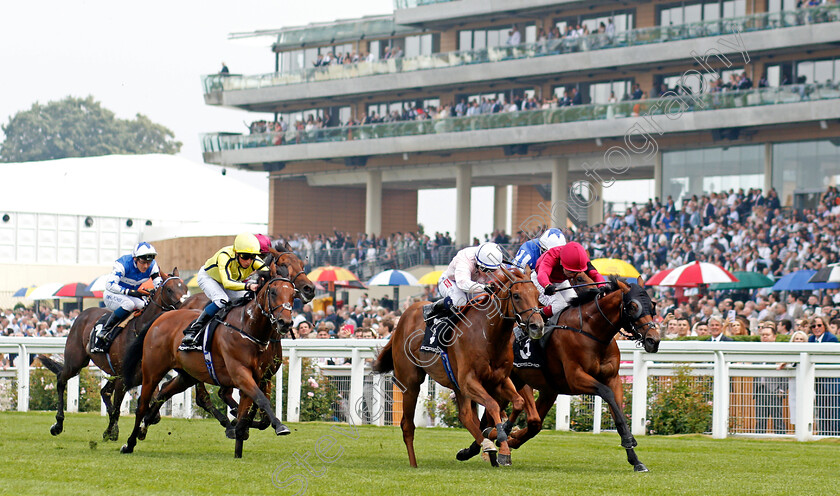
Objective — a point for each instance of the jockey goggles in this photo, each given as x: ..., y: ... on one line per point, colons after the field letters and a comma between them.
x: 146, y: 258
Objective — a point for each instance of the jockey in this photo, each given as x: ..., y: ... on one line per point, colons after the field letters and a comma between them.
x: 468, y: 273
x: 223, y: 279
x: 122, y: 290
x: 531, y: 250
x: 557, y: 265
x: 265, y: 244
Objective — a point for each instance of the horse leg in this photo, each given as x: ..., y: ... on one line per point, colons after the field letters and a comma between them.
x: 226, y: 394
x: 475, y: 391
x: 614, y: 396
x: 468, y: 416
x: 150, y: 380
x: 507, y: 392
x: 264, y: 420
x: 202, y: 399
x: 118, y: 391
x: 243, y: 379
x: 542, y: 406
x: 73, y: 364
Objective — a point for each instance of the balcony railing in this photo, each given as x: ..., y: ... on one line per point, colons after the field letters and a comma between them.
x: 218, y: 142
x: 410, y: 4
x: 635, y: 37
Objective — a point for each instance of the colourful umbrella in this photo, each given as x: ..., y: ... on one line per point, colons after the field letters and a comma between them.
x: 98, y: 284
x: 746, y: 280
x: 829, y: 274
x: 799, y: 281
x: 431, y: 278
x: 693, y: 274
x: 46, y: 291
x: 615, y: 267
x: 75, y: 290
x: 393, y: 278
x: 331, y: 274
x: 24, y: 292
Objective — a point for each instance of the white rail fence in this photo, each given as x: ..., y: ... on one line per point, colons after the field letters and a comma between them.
x: 749, y: 393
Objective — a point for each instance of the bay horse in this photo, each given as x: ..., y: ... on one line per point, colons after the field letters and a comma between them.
x: 168, y: 296
x: 581, y: 357
x: 237, y: 345
x: 480, y: 355
x: 290, y: 266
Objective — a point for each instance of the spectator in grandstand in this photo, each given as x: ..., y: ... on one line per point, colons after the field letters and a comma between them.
x: 820, y: 332
x: 716, y: 330
x: 768, y: 393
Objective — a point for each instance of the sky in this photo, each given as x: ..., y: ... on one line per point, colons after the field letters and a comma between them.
x: 149, y: 57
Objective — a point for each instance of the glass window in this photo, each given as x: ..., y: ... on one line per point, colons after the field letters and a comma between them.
x: 375, y: 47
x: 601, y: 92
x: 823, y: 71
x: 805, y: 70
x: 697, y: 172
x: 804, y: 167
x: 693, y: 13
x: 480, y: 40
x: 711, y: 11
x: 779, y: 5
x: 465, y: 40
x: 774, y: 74
x: 427, y: 44
x: 530, y: 34
x: 412, y: 46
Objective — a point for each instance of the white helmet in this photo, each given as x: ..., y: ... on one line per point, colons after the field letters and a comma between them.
x: 144, y: 250
x: 489, y: 256
x: 551, y: 239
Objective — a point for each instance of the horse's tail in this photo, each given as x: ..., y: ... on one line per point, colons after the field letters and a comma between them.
x: 55, y: 367
x: 133, y: 356
x: 385, y: 361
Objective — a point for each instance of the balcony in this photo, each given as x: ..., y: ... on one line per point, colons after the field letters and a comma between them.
x: 444, y: 13
x: 312, y: 87
x: 755, y: 107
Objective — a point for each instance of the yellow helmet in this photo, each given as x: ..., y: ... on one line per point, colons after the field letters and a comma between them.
x: 246, y: 243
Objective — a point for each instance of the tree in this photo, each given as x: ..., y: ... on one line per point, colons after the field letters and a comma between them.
x: 76, y: 127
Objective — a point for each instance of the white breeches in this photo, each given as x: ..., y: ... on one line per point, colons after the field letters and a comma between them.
x: 559, y: 300
x: 215, y: 291
x: 114, y: 301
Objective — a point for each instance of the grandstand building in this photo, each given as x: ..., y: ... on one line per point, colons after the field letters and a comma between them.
x: 698, y: 96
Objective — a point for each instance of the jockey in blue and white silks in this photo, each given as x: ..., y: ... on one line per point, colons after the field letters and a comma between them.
x: 530, y: 251
x: 122, y: 293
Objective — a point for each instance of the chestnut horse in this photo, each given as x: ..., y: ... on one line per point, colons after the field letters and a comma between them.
x: 480, y: 355
x: 237, y: 345
x: 581, y: 357
x: 290, y: 266
x: 168, y: 296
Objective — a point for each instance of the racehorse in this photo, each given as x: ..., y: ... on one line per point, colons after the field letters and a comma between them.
x: 76, y: 355
x: 581, y: 357
x: 236, y: 348
x: 480, y: 355
x: 290, y: 266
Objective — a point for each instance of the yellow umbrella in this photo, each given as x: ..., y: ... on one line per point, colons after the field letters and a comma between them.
x: 615, y: 267
x: 331, y: 274
x: 431, y: 278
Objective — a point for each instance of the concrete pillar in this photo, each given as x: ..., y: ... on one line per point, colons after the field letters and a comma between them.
x: 373, y: 203
x: 657, y: 175
x: 500, y: 200
x: 463, y: 185
x: 559, y: 193
x: 595, y: 212
x: 768, y: 167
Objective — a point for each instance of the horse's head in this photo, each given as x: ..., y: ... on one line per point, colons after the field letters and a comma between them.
x: 274, y: 300
x: 638, y: 315
x: 583, y: 285
x: 520, y: 299
x: 291, y: 266
x: 172, y: 291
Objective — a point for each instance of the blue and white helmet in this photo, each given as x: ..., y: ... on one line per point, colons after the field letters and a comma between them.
x: 551, y: 239
x: 144, y: 250
x: 489, y: 256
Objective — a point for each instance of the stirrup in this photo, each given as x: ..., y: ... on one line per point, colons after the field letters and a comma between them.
x: 190, y: 343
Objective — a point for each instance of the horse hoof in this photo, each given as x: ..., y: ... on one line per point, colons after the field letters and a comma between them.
x: 142, y: 434
x: 115, y: 433
x: 56, y: 429
x: 106, y: 435
x: 491, y: 455
x: 467, y: 453
x: 230, y: 433
x: 126, y: 450
x: 641, y: 468
x: 504, y: 461
x: 282, y: 430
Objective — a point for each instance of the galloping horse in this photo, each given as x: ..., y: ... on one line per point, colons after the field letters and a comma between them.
x: 581, y: 357
x: 237, y: 346
x: 290, y: 266
x: 76, y: 355
x: 480, y: 355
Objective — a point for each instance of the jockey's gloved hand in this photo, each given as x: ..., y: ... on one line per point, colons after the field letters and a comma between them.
x: 138, y: 293
x: 550, y: 290
x: 547, y: 311
x: 489, y: 288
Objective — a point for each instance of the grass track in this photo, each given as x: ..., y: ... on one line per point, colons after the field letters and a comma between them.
x: 194, y: 457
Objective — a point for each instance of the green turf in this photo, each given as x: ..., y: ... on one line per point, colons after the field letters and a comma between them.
x: 194, y: 457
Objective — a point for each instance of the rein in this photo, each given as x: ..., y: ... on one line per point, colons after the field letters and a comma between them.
x: 518, y: 318
x: 275, y: 322
x: 637, y: 334
x: 168, y: 307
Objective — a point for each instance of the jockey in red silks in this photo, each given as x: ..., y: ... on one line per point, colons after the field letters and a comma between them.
x: 558, y: 265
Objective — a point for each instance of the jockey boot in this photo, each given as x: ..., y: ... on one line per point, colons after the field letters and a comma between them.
x: 103, y: 337
x: 192, y: 334
x: 437, y: 309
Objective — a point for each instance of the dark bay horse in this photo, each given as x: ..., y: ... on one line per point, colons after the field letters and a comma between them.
x: 480, y: 355
x: 581, y: 357
x: 76, y: 355
x: 290, y: 266
x: 237, y: 346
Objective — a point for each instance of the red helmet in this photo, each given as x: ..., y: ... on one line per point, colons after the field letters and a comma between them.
x: 265, y: 242
x: 574, y: 257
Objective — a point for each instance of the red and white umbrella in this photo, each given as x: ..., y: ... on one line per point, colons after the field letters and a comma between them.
x: 691, y: 275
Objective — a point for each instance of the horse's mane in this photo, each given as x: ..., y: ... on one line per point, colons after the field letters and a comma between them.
x: 590, y: 294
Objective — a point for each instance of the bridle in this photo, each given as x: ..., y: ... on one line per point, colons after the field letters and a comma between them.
x: 293, y: 279
x: 276, y: 323
x: 637, y: 334
x: 172, y: 306
x: 518, y: 318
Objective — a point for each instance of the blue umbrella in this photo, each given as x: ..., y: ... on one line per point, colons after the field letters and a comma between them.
x: 24, y: 292
x: 393, y: 278
x: 798, y: 281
